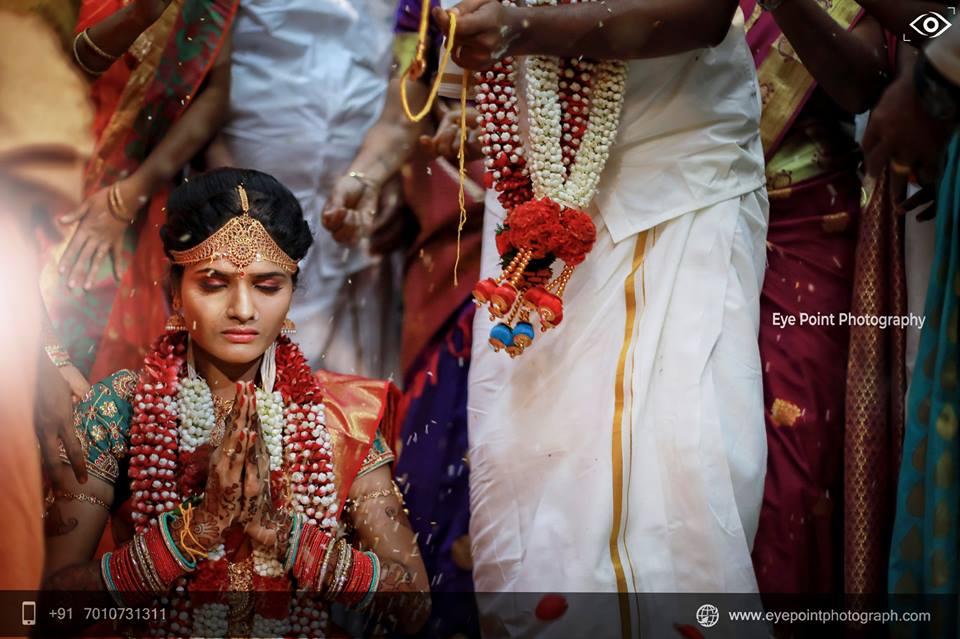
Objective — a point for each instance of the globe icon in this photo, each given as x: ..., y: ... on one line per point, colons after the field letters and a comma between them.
x: 708, y: 615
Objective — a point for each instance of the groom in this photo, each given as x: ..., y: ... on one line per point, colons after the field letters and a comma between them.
x: 625, y: 450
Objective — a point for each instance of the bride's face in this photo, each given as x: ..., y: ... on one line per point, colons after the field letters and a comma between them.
x: 231, y: 315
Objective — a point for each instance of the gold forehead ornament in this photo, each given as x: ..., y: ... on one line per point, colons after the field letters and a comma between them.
x: 242, y: 240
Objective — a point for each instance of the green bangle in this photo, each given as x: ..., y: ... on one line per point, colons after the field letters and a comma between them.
x: 374, y: 582
x: 108, y: 578
x: 185, y: 563
x: 296, y: 528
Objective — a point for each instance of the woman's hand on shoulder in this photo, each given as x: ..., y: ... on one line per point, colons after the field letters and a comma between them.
x: 103, y: 218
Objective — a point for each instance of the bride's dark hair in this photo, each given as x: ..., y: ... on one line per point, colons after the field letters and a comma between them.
x: 199, y: 207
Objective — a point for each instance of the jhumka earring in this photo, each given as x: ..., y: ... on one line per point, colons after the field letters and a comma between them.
x: 175, y: 323
x: 288, y: 327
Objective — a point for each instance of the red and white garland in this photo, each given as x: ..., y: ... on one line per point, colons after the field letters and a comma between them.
x: 173, y: 418
x: 545, y: 178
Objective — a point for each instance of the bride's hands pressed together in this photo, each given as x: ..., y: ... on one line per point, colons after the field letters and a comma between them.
x: 223, y: 499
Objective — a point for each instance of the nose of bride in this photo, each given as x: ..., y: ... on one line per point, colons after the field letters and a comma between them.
x: 242, y: 307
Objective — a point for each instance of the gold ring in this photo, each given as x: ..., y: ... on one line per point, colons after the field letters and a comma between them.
x: 899, y: 169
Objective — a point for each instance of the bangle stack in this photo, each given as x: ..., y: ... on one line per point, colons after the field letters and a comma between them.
x: 355, y: 576
x: 142, y: 568
x: 116, y: 205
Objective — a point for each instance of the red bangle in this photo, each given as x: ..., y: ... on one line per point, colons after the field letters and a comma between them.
x: 122, y: 571
x: 167, y: 567
x: 310, y: 556
x: 359, y: 582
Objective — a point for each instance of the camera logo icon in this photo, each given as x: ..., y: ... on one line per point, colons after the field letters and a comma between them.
x: 930, y: 24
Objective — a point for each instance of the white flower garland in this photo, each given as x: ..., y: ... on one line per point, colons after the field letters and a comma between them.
x: 197, y: 418
x: 263, y: 627
x: 574, y: 185
x: 266, y: 565
x: 270, y: 410
x: 210, y: 620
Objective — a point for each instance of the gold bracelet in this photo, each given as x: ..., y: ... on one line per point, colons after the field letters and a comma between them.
x: 381, y: 492
x: 76, y: 57
x: 81, y: 497
x: 85, y: 34
x: 58, y: 355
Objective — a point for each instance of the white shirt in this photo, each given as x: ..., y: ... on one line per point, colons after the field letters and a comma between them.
x: 689, y: 136
x: 308, y: 80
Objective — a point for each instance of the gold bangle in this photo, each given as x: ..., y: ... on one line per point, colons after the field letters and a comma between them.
x: 116, y: 205
x: 76, y: 57
x: 81, y: 497
x: 85, y: 34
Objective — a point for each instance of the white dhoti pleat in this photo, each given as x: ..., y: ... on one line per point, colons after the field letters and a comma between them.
x: 625, y: 450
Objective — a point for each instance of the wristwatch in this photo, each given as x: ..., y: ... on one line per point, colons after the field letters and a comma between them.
x: 938, y: 96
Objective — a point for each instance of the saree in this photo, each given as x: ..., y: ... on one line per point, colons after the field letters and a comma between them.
x: 432, y: 469
x: 924, y: 553
x: 814, y: 195
x: 137, y: 101
x: 356, y: 414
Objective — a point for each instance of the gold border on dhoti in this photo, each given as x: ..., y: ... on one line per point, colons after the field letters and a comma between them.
x: 630, y: 294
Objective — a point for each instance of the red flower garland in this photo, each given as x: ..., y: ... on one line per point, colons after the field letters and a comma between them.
x: 535, y: 232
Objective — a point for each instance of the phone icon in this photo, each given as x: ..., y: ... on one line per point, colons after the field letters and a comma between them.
x: 29, y: 613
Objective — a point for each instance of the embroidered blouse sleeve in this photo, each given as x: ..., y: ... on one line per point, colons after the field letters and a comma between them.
x: 102, y: 422
x: 379, y: 455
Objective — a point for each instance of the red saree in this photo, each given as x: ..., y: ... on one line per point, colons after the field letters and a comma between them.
x: 814, y: 207
x: 137, y: 101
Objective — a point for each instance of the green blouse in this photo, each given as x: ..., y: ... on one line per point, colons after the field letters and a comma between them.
x: 102, y: 421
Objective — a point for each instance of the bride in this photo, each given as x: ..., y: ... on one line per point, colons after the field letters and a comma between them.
x: 242, y: 471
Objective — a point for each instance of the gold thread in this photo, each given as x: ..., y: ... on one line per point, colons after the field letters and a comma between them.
x: 417, y: 66
x: 617, y: 448
x: 462, y: 167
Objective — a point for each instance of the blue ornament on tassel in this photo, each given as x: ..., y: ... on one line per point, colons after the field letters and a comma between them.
x: 523, y: 335
x: 501, y: 336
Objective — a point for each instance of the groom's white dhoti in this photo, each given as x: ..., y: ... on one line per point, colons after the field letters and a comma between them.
x: 625, y: 450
